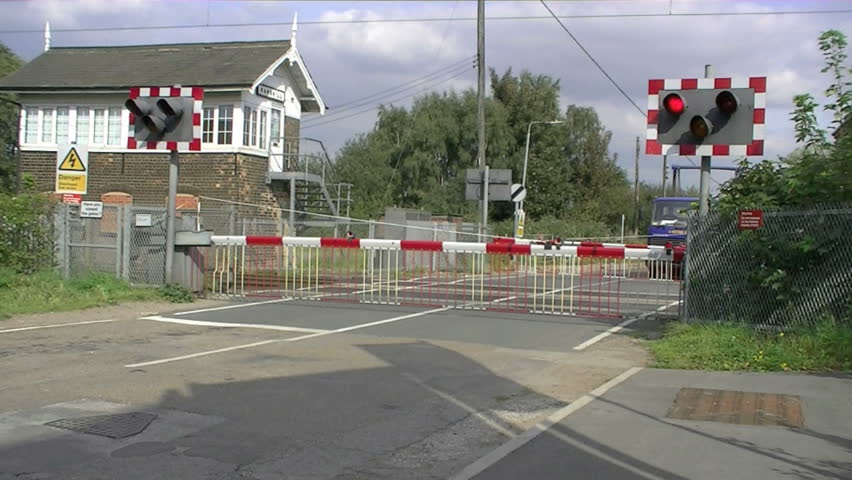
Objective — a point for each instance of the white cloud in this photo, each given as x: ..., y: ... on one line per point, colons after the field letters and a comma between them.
x: 67, y: 14
x: 396, y: 43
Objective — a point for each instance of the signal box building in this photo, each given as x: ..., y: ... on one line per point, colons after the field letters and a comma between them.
x: 255, y: 94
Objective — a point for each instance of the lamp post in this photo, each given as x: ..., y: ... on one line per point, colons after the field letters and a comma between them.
x: 519, y: 206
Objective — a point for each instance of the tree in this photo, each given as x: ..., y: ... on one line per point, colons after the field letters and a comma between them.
x: 9, y: 62
x: 819, y: 172
x: 417, y: 157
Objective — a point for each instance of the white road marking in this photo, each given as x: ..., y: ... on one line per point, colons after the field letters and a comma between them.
x: 228, y: 307
x: 366, y: 325
x: 203, y: 323
x: 278, y: 340
x: 455, y: 401
x: 201, y: 354
x: 56, y: 325
x: 617, y: 328
x: 517, y: 442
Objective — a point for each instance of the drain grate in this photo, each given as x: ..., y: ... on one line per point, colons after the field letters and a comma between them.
x: 113, y: 426
x: 742, y: 408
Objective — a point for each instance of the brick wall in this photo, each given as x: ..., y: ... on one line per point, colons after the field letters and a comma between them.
x: 229, y: 176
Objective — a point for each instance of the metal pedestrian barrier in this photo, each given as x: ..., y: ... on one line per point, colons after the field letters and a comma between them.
x: 590, y: 279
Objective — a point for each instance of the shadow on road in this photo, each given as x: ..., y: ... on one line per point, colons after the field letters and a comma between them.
x: 426, y: 413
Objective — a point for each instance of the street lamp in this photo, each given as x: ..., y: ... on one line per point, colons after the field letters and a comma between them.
x: 519, y: 206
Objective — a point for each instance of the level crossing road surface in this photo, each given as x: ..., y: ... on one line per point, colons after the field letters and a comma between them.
x: 292, y: 389
x: 304, y: 389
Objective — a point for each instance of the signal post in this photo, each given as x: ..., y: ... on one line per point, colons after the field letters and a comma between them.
x: 166, y: 118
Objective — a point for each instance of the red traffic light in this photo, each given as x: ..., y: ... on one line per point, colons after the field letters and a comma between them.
x: 674, y: 104
x: 727, y: 102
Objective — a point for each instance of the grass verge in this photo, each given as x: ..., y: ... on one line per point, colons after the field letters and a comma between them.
x: 47, y: 292
x: 825, y: 347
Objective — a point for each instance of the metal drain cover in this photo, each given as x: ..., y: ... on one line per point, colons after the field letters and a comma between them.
x: 741, y: 408
x: 113, y: 426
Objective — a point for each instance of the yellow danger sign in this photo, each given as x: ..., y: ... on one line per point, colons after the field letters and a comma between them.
x: 72, y: 168
x: 72, y: 162
x: 70, y: 183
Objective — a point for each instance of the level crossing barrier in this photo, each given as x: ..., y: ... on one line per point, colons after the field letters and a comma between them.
x: 590, y: 279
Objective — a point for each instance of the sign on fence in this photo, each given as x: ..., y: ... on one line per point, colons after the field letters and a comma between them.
x: 92, y: 210
x: 72, y: 198
x: 749, y: 219
x: 72, y: 168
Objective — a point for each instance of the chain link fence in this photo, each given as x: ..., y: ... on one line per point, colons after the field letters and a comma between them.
x: 793, y: 271
x: 129, y: 241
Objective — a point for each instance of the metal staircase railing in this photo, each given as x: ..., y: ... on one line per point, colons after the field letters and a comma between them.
x: 311, y: 180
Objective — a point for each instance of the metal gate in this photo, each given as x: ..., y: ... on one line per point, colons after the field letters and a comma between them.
x: 591, y: 279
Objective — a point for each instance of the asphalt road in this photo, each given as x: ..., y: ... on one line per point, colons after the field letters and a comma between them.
x: 301, y: 390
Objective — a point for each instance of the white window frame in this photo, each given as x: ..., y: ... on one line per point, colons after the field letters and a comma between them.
x: 217, y: 132
x: 212, y: 119
x: 68, y: 128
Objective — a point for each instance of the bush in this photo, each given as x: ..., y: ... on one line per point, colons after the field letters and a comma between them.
x: 26, y: 231
x: 176, y: 294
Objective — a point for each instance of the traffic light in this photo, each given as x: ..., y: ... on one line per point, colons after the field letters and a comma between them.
x: 165, y: 121
x: 708, y: 116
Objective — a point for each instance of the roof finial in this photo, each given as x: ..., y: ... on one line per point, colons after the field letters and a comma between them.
x: 293, y: 29
x: 46, y: 36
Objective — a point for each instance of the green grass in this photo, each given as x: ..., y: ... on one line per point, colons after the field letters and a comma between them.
x: 825, y: 347
x: 47, y: 292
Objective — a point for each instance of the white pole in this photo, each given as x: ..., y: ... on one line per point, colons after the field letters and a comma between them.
x: 622, y: 229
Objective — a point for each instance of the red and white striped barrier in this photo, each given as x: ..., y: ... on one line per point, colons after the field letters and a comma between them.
x: 501, y: 246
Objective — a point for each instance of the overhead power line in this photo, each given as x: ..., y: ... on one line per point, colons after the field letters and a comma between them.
x: 606, y: 74
x: 381, y: 95
x: 424, y: 20
x: 374, y: 107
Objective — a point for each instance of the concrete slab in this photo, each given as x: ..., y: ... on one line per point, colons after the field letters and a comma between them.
x: 625, y: 434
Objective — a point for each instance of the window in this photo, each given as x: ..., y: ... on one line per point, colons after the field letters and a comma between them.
x: 47, y: 125
x: 246, y: 125
x: 262, y: 131
x: 114, y: 126
x: 99, y: 121
x: 82, y: 125
x: 253, y: 128
x: 275, y: 126
x: 207, y: 123
x: 31, y: 126
x: 62, y: 125
x: 226, y: 124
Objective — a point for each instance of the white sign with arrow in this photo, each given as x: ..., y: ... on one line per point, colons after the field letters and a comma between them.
x: 518, y: 192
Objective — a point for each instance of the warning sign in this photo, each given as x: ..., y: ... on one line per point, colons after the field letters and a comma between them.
x: 72, y: 162
x: 70, y: 183
x: 749, y: 219
x: 72, y: 165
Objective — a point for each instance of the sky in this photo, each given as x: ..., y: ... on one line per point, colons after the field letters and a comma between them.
x: 349, y: 61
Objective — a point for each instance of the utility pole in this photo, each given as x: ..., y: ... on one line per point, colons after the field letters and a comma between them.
x: 704, y: 186
x: 636, y: 190
x: 665, y: 173
x: 171, y: 206
x: 480, y: 108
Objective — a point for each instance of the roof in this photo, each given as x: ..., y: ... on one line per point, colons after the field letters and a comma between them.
x: 201, y: 64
